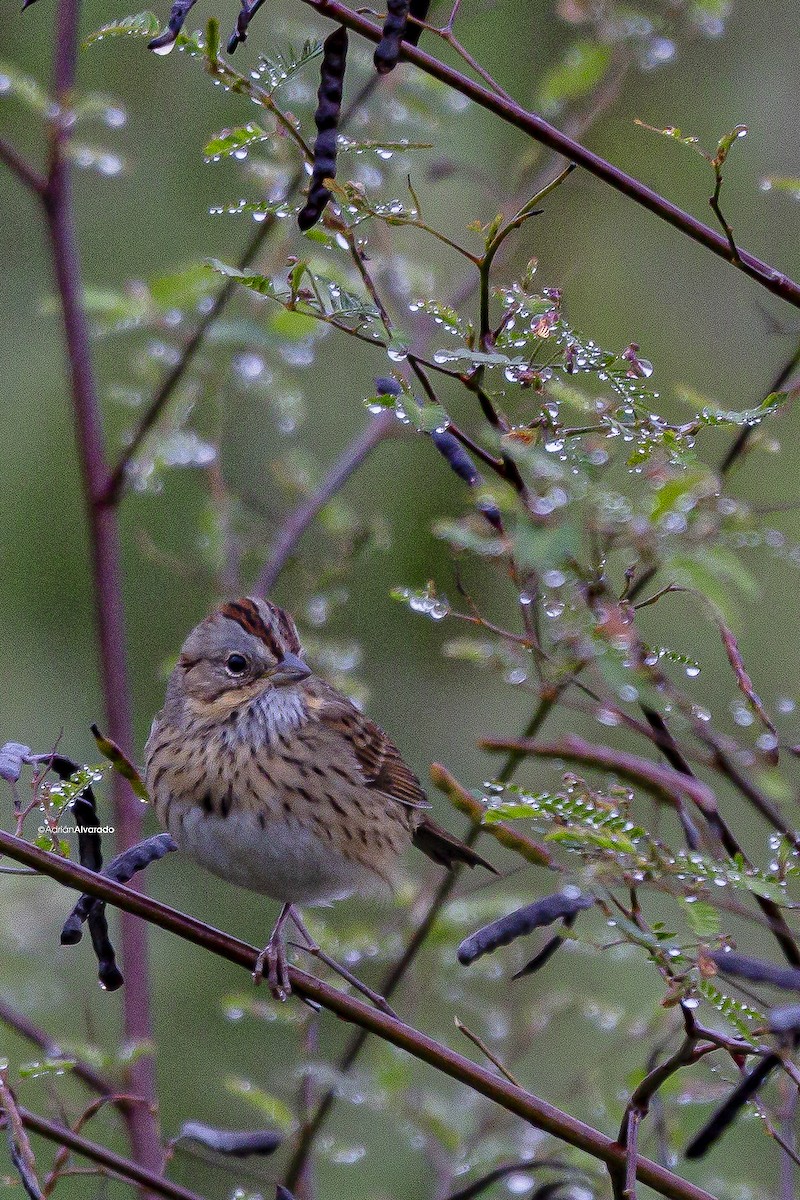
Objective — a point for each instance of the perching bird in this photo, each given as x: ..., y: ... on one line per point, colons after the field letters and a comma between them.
x: 272, y: 779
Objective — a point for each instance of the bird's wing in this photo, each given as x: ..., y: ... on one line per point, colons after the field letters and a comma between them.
x: 379, y: 761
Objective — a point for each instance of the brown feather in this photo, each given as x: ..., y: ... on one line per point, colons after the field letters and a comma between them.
x: 444, y: 848
x: 379, y: 760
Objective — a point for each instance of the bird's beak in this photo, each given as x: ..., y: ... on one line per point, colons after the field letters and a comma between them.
x: 290, y: 669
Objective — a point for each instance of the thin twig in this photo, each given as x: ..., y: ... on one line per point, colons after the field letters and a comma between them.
x: 298, y: 521
x: 540, y: 130
x: 23, y: 170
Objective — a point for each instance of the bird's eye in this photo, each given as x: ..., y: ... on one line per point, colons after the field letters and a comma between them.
x: 236, y: 664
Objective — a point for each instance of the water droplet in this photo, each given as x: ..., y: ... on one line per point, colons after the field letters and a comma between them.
x: 693, y: 670
x: 115, y: 117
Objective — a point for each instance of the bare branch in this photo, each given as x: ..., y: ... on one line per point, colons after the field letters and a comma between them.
x: 513, y: 1099
x: 121, y: 1167
x: 541, y: 131
x: 19, y: 166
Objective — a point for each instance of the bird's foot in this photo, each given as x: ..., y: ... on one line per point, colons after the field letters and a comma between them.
x: 273, y: 957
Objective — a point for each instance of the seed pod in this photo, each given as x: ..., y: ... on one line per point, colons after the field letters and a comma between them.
x: 558, y: 906
x: 396, y: 29
x: 326, y: 119
x: 416, y: 8
x: 387, y: 51
x: 235, y: 1142
x: 756, y: 970
x: 167, y: 39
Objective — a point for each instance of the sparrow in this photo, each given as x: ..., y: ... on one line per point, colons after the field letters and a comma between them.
x: 270, y: 778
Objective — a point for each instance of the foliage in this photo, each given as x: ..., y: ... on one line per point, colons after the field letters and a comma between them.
x: 588, y: 519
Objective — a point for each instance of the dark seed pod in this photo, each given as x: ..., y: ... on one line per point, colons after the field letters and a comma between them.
x: 326, y: 119
x: 756, y: 970
x: 84, y: 812
x: 460, y: 462
x: 177, y: 15
x: 387, y: 51
x: 235, y: 1142
x: 785, y: 1020
x: 384, y: 386
x: 121, y: 869
x: 455, y: 454
x: 246, y: 14
x: 419, y: 9
x: 559, y: 906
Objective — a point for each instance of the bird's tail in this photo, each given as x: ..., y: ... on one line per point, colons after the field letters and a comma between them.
x: 443, y: 848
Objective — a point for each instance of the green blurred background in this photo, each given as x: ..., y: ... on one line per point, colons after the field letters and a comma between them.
x: 626, y: 277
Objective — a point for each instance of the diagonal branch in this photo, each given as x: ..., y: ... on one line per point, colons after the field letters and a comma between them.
x: 19, y: 166
x: 500, y: 1091
x: 299, y: 519
x: 541, y: 131
x: 121, y: 1167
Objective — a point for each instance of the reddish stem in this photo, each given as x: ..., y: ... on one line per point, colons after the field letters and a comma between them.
x: 106, y: 571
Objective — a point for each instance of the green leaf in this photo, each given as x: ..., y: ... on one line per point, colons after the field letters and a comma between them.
x: 782, y: 183
x: 143, y: 24
x: 703, y: 919
x: 726, y: 141
x: 576, y: 838
x: 121, y: 764
x: 184, y: 288
x: 281, y: 68
x: 669, y: 495
x: 212, y: 48
x: 47, y: 1066
x: 274, y: 1110
x: 747, y: 416
x: 710, y: 571
x: 739, y: 1015
x: 229, y: 141
x: 25, y: 89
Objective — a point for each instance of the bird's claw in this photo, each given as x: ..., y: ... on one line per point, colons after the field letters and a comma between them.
x: 274, y: 958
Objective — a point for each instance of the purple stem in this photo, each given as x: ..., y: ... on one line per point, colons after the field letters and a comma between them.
x: 106, y: 573
x: 299, y: 519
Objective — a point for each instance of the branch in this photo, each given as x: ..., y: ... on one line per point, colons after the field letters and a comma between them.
x: 299, y: 519
x: 25, y: 1028
x: 103, y: 533
x: 541, y: 131
x: 113, y: 488
x: 513, y: 1099
x: 23, y: 170
x: 115, y: 1163
x: 665, y: 781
